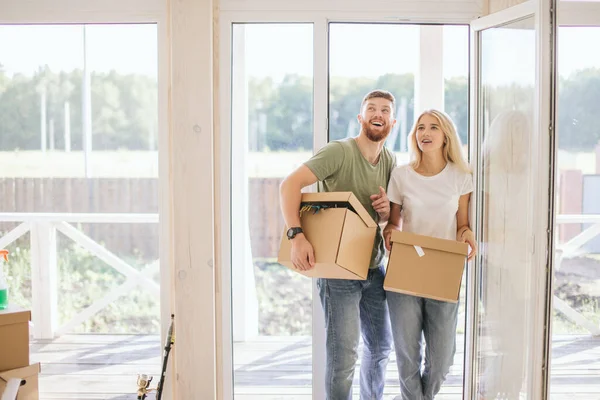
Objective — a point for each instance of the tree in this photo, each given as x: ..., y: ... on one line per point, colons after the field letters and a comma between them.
x: 19, y: 115
x: 290, y: 115
x: 579, y: 96
x: 456, y: 104
x: 124, y: 109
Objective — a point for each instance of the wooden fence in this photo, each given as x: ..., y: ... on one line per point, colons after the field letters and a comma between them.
x: 96, y: 195
x: 140, y: 195
x: 128, y: 195
x: 265, y: 218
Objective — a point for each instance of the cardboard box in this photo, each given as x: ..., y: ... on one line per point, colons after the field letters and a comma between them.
x: 425, y: 266
x: 342, y: 236
x: 14, y: 338
x: 29, y: 390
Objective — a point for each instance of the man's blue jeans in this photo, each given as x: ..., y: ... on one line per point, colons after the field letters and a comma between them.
x: 436, y: 320
x: 352, y: 307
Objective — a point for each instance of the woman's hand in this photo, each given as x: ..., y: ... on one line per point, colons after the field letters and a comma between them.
x: 468, y: 237
x: 387, y: 235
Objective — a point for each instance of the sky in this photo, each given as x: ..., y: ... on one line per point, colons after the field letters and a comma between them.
x: 367, y: 50
x: 124, y: 48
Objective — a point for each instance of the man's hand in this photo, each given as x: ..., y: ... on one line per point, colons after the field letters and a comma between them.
x: 303, y: 254
x: 381, y: 205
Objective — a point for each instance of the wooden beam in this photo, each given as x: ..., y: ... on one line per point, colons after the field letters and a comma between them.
x: 499, y: 5
x: 218, y: 201
x: 44, y: 280
x: 429, y: 79
x: 191, y: 178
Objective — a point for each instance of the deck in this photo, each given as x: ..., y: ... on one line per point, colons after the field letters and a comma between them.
x: 267, y: 368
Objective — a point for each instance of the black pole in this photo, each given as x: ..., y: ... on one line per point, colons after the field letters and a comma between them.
x: 168, y: 345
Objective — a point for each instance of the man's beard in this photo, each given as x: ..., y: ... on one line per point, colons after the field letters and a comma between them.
x: 376, y: 136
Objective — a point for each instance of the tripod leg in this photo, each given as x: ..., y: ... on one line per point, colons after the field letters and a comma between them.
x: 163, y: 373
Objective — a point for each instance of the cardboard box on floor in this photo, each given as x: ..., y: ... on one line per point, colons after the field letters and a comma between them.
x: 29, y: 390
x: 425, y: 266
x: 14, y: 338
x: 342, y: 236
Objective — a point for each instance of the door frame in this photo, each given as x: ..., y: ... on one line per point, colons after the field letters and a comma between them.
x: 320, y: 21
x: 541, y: 243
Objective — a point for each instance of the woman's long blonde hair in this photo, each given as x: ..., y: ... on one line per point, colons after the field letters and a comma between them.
x: 452, y: 149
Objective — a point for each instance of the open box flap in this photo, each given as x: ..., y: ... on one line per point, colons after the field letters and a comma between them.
x: 341, y: 197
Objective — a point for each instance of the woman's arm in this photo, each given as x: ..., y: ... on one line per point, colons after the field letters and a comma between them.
x: 463, y: 232
x: 393, y: 224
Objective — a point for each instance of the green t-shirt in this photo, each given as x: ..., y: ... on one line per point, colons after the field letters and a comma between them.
x: 340, y: 167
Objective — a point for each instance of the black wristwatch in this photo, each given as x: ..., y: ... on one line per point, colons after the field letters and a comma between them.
x: 292, y: 232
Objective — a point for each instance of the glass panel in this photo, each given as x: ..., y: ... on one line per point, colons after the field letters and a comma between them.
x: 353, y: 73
x: 456, y: 78
x: 577, y: 252
x: 456, y: 105
x: 78, y: 134
x: 351, y: 76
x: 272, y: 134
x: 505, y: 338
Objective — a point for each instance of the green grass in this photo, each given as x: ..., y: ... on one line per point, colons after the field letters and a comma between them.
x: 285, y: 303
x: 284, y: 300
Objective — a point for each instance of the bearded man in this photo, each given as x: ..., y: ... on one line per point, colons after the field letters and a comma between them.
x: 361, y: 165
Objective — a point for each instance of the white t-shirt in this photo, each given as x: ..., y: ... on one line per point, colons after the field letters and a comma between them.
x: 429, y: 203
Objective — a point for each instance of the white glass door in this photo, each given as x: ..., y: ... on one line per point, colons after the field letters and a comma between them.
x: 512, y: 107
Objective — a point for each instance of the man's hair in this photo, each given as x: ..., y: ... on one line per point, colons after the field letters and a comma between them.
x: 383, y: 94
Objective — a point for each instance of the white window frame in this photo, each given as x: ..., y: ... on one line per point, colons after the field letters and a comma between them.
x: 420, y: 14
x: 320, y: 15
x: 56, y: 12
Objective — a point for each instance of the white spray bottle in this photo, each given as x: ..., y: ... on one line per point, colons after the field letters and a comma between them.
x: 3, y: 282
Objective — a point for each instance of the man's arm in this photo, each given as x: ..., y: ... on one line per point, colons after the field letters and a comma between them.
x: 290, y: 196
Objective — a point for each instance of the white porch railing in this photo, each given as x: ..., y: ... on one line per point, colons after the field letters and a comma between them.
x: 43, y: 228
x: 571, y: 249
x: 44, y: 282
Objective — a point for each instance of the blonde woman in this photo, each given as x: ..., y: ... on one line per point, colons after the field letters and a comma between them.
x: 429, y: 196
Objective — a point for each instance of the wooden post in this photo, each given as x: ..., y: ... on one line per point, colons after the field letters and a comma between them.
x: 44, y: 282
x: 43, y: 118
x: 429, y: 80
x: 51, y: 134
x: 570, y: 201
x: 67, y: 127
x: 192, y: 194
x: 598, y: 158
